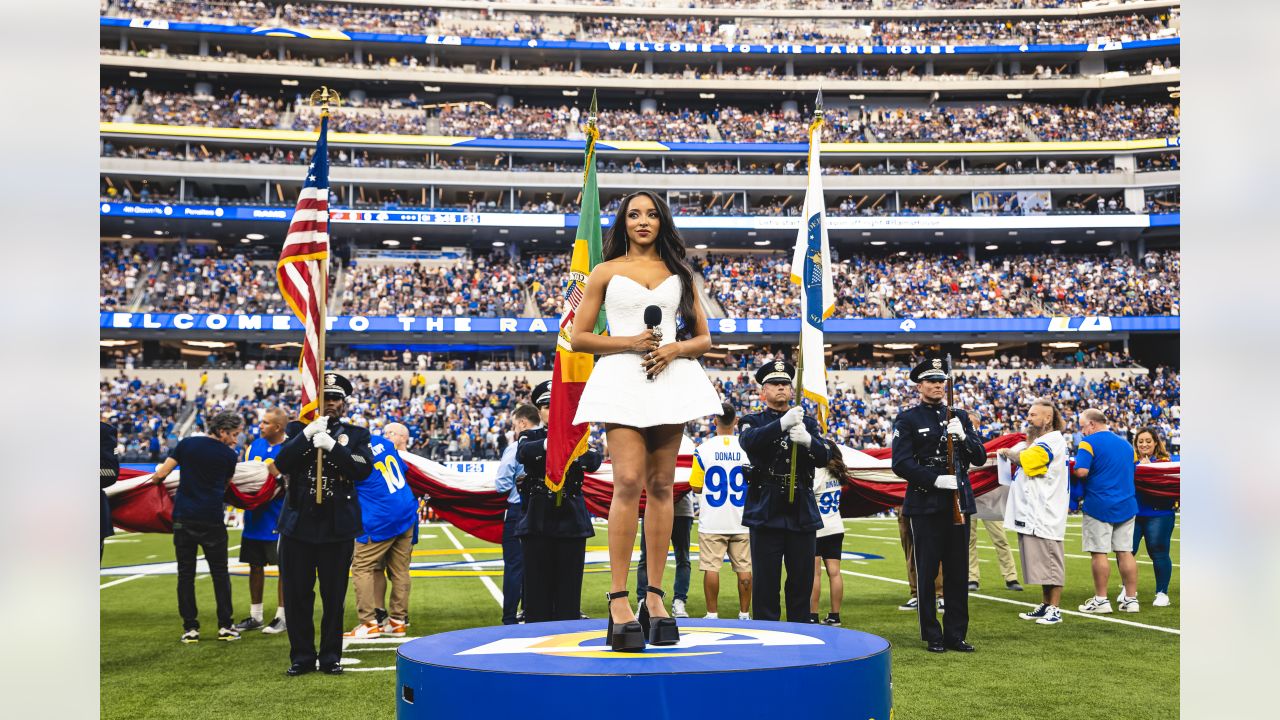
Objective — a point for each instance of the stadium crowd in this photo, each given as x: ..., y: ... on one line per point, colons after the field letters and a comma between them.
x: 863, y: 416
x: 940, y: 286
x: 490, y: 23
x: 481, y: 287
x: 145, y: 415
x: 978, y: 123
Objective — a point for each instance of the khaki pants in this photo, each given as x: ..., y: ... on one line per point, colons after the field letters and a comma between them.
x: 995, y: 529
x: 904, y: 535
x: 366, y: 568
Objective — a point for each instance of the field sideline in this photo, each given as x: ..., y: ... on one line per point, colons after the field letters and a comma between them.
x: 1087, y: 667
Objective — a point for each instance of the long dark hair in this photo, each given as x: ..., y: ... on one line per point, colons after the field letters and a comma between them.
x: 1160, y: 451
x: 670, y: 248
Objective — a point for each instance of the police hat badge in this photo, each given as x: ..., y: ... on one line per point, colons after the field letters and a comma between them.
x: 931, y: 369
x: 778, y: 371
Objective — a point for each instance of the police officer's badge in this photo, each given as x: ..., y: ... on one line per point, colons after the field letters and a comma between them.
x: 342, y: 439
x: 779, y: 367
x: 937, y: 363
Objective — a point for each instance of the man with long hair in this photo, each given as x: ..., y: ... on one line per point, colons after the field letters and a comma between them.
x: 1037, y: 506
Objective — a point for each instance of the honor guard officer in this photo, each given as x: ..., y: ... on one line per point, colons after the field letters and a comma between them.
x: 317, y: 534
x: 920, y: 457
x: 553, y: 532
x: 783, y: 531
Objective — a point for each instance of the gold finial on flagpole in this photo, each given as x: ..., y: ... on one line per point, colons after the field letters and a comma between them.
x: 327, y: 98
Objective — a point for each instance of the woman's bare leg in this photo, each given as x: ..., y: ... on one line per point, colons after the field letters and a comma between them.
x: 664, y: 445
x: 627, y: 450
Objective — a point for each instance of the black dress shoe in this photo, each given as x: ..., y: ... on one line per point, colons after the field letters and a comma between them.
x: 960, y: 646
x: 336, y: 669
x: 937, y: 646
x: 1013, y: 585
x: 297, y: 669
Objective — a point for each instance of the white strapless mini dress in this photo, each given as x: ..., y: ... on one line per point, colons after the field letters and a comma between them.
x: 617, y: 391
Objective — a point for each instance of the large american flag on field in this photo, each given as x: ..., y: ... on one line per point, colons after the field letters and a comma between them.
x: 301, y: 271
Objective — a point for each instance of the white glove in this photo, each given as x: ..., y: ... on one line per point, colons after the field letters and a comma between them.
x: 324, y: 441
x: 793, y: 417
x: 946, y: 482
x: 799, y: 434
x: 319, y: 425
x: 955, y: 429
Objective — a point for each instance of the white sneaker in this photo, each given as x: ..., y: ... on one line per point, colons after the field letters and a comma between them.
x: 1097, y: 606
x: 744, y: 616
x: 711, y: 616
x: 1129, y: 605
x: 275, y: 627
x: 677, y: 609
x: 1162, y: 600
x: 1052, y: 616
x: 942, y: 605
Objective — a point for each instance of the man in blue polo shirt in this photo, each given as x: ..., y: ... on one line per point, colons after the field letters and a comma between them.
x: 389, y: 514
x: 1104, y: 464
x: 208, y: 463
x: 260, y: 537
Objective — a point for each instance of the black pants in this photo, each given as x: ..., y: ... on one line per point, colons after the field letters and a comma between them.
x: 681, y: 528
x: 771, y: 549
x: 212, y: 538
x: 938, y: 539
x: 553, y: 577
x: 301, y: 563
x: 512, y: 564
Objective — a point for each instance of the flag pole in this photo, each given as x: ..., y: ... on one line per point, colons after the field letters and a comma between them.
x: 798, y: 386
x: 324, y: 95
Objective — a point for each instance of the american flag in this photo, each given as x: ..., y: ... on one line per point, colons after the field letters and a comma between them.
x: 301, y: 271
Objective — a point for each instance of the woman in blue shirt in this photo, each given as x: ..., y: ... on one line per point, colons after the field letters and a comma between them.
x: 1155, y: 515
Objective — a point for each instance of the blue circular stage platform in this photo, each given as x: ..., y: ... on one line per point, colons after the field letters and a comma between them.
x: 733, y: 668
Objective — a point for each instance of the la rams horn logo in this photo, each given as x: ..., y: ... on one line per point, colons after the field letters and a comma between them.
x: 693, y: 641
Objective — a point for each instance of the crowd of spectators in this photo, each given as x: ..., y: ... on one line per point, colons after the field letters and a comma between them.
x: 145, y: 415
x: 479, y: 287
x: 122, y: 269
x: 971, y: 123
x: 237, y: 110
x: 495, y: 23
x: 944, y: 286
x: 215, y: 282
x: 750, y: 358
x: 863, y: 416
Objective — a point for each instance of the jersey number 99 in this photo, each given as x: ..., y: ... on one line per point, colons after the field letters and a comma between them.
x: 722, y: 485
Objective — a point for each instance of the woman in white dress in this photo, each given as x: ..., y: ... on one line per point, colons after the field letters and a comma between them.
x: 645, y: 387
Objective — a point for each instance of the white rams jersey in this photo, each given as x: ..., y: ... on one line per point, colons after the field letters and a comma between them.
x: 717, y: 471
x: 826, y: 490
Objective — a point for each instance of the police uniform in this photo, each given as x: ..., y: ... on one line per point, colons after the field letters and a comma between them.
x: 317, y: 540
x: 783, y: 532
x: 919, y: 457
x: 553, y: 538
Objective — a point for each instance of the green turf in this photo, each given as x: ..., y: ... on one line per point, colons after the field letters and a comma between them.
x: 1083, y: 668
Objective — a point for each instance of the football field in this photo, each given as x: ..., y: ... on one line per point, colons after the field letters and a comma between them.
x: 1119, y: 665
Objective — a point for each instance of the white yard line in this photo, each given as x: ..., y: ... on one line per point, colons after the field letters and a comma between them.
x: 985, y: 546
x: 1104, y: 618
x: 488, y: 583
x: 121, y: 580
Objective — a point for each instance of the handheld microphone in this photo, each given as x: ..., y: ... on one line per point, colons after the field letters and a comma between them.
x: 652, y: 319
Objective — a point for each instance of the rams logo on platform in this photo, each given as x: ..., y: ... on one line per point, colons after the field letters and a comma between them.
x: 693, y: 641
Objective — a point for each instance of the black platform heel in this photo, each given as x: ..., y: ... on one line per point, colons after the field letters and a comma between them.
x: 659, y: 630
x: 627, y: 637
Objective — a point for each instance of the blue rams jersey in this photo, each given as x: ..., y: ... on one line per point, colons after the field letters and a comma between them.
x: 260, y: 524
x: 387, y: 505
